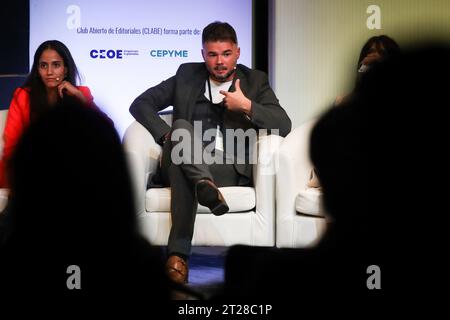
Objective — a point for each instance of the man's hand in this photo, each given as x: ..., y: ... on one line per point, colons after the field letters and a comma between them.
x: 236, y: 101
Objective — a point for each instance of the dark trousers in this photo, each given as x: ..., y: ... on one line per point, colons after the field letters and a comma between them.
x: 182, y: 178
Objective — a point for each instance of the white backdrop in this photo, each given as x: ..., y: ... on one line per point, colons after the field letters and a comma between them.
x: 143, y: 41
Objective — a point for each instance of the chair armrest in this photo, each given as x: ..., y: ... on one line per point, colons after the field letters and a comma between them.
x: 4, y: 193
x: 3, y: 116
x: 142, y: 153
x: 264, y: 178
x: 294, y: 169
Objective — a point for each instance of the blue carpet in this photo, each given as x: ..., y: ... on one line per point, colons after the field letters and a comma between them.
x: 206, y: 269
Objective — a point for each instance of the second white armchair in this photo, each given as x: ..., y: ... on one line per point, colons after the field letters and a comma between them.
x: 300, y: 217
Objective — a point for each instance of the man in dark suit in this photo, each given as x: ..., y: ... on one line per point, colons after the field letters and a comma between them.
x: 218, y: 96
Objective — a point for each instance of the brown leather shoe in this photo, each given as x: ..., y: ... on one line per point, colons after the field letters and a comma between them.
x: 210, y: 196
x: 177, y: 269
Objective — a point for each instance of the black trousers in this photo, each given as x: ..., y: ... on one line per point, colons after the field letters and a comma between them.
x: 182, y: 178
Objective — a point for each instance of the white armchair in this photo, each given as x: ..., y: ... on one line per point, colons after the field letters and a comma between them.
x: 300, y: 218
x: 250, y: 220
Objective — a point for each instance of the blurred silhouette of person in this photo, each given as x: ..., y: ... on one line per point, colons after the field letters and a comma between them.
x: 53, y: 76
x: 72, y: 229
x: 376, y: 49
x: 381, y: 159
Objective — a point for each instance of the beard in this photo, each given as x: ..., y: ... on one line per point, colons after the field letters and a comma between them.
x: 223, y: 78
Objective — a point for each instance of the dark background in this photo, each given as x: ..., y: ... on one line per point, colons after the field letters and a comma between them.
x: 14, y: 64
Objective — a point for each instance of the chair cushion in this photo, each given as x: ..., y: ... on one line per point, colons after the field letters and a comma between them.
x: 238, y: 199
x: 309, y: 201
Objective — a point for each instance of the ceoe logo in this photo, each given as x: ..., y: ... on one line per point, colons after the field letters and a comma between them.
x: 106, y: 54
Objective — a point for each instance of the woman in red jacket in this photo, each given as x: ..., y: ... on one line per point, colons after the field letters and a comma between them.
x: 53, y: 77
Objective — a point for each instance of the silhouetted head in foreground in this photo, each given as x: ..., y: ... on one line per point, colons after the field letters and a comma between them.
x: 71, y: 205
x: 396, y: 121
x: 381, y: 158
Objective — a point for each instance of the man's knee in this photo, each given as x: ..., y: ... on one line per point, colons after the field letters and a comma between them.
x: 182, y: 124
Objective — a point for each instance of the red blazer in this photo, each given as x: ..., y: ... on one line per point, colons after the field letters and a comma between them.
x: 18, y: 120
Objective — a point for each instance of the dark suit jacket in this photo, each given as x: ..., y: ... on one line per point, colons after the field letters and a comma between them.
x: 182, y: 90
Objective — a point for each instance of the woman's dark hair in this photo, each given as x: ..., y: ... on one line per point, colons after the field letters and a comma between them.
x: 218, y: 30
x: 385, y: 46
x: 38, y: 96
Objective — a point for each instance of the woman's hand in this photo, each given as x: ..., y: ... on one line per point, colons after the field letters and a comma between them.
x: 66, y: 87
x: 371, y: 58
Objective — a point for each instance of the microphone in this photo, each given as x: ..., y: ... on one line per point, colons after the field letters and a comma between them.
x: 57, y: 79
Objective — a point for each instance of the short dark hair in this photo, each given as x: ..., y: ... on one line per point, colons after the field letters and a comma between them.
x: 218, y: 30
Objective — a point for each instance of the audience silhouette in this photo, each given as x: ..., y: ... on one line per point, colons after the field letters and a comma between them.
x: 71, y: 224
x: 380, y: 159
